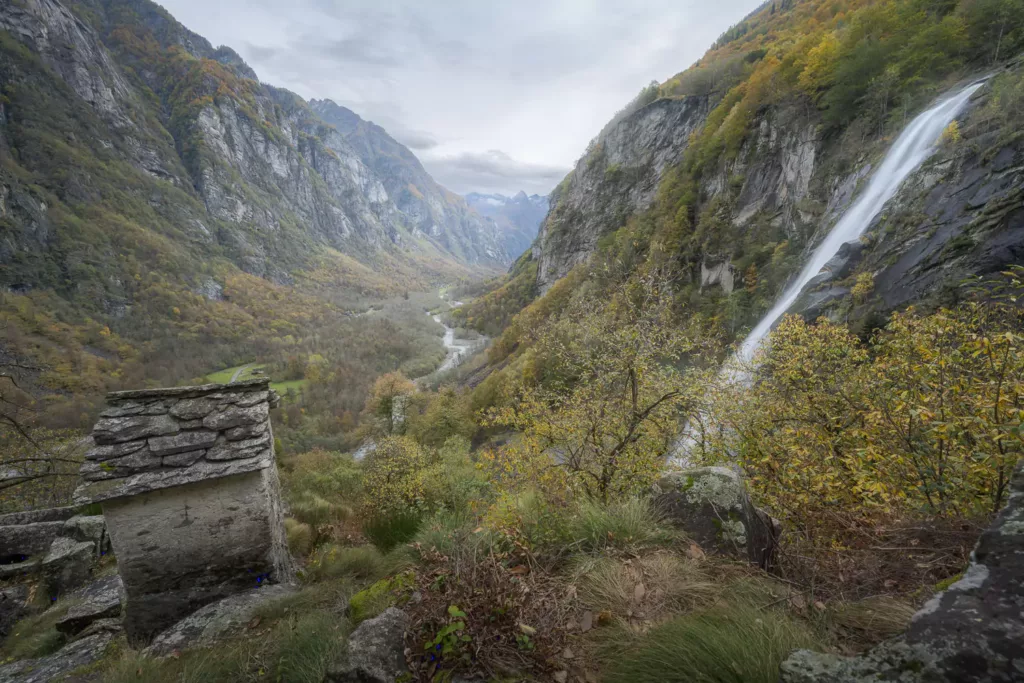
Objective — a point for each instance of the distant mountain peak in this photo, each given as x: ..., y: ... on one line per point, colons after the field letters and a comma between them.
x: 518, y: 218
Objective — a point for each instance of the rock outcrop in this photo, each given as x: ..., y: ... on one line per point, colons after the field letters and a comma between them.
x: 55, y: 667
x: 617, y: 178
x: 375, y: 651
x: 961, y: 214
x: 99, y: 600
x: 189, y: 489
x: 216, y: 620
x: 712, y: 507
x: 973, y: 631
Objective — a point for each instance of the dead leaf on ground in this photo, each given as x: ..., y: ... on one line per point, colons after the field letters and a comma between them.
x: 639, y: 592
x: 254, y: 622
x: 694, y: 552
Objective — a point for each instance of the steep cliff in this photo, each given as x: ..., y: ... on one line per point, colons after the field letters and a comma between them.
x: 616, y: 178
x: 265, y: 181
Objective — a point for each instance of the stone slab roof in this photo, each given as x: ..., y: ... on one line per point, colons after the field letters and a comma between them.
x: 158, y: 438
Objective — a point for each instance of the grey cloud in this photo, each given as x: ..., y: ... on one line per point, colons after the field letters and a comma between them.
x: 260, y: 53
x: 415, y: 139
x: 493, y: 171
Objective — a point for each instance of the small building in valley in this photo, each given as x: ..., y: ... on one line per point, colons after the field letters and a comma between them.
x: 188, y: 483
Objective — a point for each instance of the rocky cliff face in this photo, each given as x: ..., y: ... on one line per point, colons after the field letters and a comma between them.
x: 960, y: 214
x: 228, y: 165
x: 617, y: 178
x: 518, y: 218
x: 428, y: 208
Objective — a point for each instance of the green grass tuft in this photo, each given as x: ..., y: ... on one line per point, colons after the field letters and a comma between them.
x: 388, y: 531
x: 730, y: 643
x: 622, y: 524
x: 36, y: 635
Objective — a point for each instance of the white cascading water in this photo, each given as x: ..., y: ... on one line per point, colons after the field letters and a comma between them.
x: 917, y: 142
x: 914, y: 145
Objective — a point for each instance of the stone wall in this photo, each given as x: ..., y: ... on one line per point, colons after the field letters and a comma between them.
x: 189, y: 488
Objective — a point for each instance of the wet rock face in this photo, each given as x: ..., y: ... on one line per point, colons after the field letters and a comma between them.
x: 971, y: 632
x: 376, y: 651
x: 711, y: 505
x: 190, y: 497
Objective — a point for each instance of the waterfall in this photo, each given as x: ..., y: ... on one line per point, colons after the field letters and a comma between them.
x: 914, y: 145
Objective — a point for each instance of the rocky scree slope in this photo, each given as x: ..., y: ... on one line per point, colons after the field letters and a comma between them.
x: 111, y: 107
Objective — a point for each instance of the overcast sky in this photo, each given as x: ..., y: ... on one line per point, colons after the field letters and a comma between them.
x: 492, y: 96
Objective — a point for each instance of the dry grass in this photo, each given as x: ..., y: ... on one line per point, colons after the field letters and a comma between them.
x: 642, y: 590
x: 874, y: 619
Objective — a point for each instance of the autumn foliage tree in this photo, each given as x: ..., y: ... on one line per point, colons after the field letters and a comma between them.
x: 923, y: 420
x: 600, y: 407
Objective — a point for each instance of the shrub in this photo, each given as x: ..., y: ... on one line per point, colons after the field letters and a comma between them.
x: 393, y: 472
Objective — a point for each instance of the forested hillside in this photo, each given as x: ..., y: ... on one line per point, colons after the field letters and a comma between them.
x: 164, y: 214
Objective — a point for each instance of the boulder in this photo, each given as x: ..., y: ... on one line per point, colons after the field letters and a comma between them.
x: 207, y: 624
x: 54, y: 667
x: 711, y: 505
x: 67, y: 565
x: 12, y: 607
x: 89, y: 528
x: 375, y: 652
x: 973, y: 631
x: 25, y: 540
x: 99, y: 600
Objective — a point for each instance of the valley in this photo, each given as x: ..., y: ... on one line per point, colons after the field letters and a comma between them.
x: 740, y: 400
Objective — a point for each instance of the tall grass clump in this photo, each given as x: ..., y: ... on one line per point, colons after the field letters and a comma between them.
x: 307, y: 646
x: 335, y: 562
x: 389, y: 529
x: 729, y: 643
x: 628, y: 522
x: 449, y: 532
